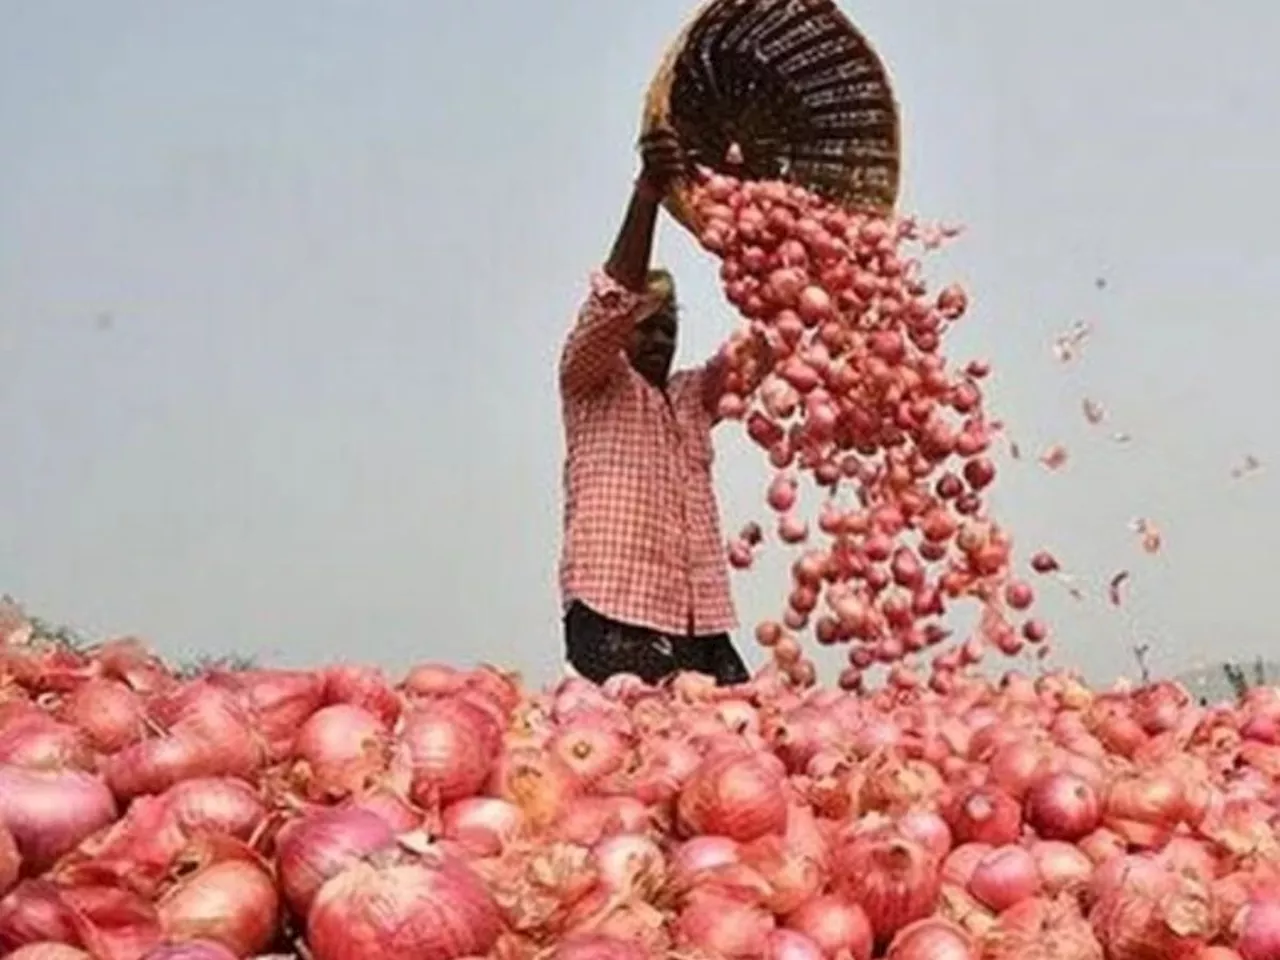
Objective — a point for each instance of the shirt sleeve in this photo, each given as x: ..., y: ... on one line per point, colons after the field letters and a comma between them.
x: 593, y: 351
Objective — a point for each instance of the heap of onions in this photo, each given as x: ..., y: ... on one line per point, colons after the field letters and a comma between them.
x: 473, y: 818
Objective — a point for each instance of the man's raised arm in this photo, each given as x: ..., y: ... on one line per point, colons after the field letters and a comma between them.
x: 593, y: 351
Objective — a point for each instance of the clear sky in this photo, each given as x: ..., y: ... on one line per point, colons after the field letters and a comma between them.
x: 283, y: 285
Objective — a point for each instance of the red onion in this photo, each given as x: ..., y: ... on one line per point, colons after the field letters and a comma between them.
x: 434, y: 680
x: 107, y: 712
x: 211, y: 737
x: 893, y: 879
x: 483, y: 825
x: 232, y: 902
x: 723, y: 926
x: 364, y: 687
x: 928, y: 829
x: 34, y: 911
x: 932, y: 940
x: 1256, y: 930
x: 1014, y: 768
x: 452, y: 745
x: 592, y: 751
x: 802, y: 734
x: 221, y: 804
x: 341, y: 749
x: 537, y: 782
x: 735, y: 795
x: 428, y: 911
x: 39, y: 742
x: 323, y: 845
x: 398, y: 811
x: 835, y: 925
x: 1144, y: 808
x: 790, y: 945
x: 1062, y: 806
x: 985, y: 815
x: 499, y: 687
x: 49, y: 812
x: 1005, y: 876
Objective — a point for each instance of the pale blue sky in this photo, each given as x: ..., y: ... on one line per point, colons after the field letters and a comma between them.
x: 339, y: 244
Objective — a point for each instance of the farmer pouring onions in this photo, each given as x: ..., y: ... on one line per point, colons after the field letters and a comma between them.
x: 643, y: 573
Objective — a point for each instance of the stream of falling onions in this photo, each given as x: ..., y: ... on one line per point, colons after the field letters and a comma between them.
x: 861, y: 401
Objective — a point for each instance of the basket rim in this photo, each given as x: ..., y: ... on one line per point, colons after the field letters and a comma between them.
x: 657, y: 109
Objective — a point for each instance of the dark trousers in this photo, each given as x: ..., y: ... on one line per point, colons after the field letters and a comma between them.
x: 599, y: 647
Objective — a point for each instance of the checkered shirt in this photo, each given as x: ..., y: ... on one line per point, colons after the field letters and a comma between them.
x: 642, y: 540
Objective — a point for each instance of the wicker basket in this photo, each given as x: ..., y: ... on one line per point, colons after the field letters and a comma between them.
x: 797, y: 88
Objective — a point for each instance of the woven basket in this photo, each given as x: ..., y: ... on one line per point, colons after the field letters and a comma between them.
x: 797, y: 88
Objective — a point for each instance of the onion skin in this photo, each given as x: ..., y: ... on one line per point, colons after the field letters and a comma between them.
x: 1063, y: 868
x: 49, y: 812
x: 724, y: 926
x: 1038, y: 927
x: 411, y: 910
x: 1148, y: 913
x: 107, y: 712
x: 39, y: 742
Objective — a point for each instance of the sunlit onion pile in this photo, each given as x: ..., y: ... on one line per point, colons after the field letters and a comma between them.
x: 861, y: 402
x: 337, y: 814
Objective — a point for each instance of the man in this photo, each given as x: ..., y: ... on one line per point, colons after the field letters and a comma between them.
x: 643, y: 574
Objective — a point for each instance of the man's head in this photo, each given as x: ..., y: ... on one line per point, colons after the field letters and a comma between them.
x: 653, y: 342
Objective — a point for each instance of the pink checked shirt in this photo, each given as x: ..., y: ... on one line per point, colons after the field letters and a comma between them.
x: 642, y: 541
